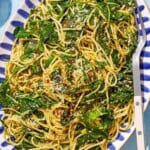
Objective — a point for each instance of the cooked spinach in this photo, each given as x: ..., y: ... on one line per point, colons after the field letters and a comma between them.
x: 122, y: 93
x: 119, y: 16
x: 21, y: 103
x: 48, y: 33
x: 96, y: 113
x: 17, y: 69
x: 48, y: 61
x: 20, y: 32
x: 5, y: 101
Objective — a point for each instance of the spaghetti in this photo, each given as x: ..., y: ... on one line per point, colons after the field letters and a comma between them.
x: 68, y: 83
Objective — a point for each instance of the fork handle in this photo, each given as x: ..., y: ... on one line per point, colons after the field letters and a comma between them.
x: 138, y: 106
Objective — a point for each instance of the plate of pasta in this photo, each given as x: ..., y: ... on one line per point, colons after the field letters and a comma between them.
x: 66, y: 75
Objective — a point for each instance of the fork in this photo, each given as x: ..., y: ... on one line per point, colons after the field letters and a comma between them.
x: 138, y: 105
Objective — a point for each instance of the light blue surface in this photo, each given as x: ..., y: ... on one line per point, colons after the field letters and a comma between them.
x: 15, y: 5
x: 4, y: 13
x: 148, y: 2
x: 131, y: 144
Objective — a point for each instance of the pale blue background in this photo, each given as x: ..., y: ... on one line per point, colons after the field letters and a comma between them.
x: 131, y: 144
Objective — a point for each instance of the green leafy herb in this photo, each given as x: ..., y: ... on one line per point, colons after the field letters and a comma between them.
x: 33, y: 47
x: 17, y: 69
x: 48, y: 61
x: 115, y: 58
x: 26, y: 56
x: 36, y: 68
x: 66, y: 119
x: 94, y: 84
x: 48, y: 33
x: 91, y: 136
x: 121, y: 96
x: 119, y: 16
x: 5, y: 94
x: 101, y: 65
x: 33, y: 69
x: 24, y: 145
x: 21, y: 103
x: 95, y: 113
x: 20, y: 32
x: 122, y: 93
x: 82, y: 140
